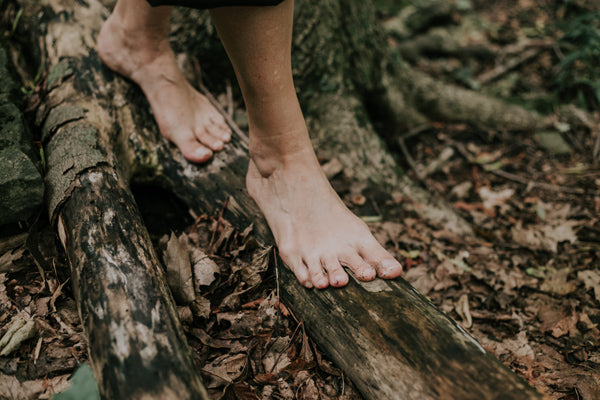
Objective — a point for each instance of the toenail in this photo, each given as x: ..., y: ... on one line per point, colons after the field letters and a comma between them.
x: 308, y: 285
x: 226, y: 136
x: 203, y: 152
x: 389, y: 266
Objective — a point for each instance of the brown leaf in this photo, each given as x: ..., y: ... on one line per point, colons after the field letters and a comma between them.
x: 565, y: 326
x: 310, y: 391
x: 242, y: 323
x: 243, y: 391
x: 557, y: 283
x: 266, y: 378
x: 545, y: 236
x: 591, y: 280
x: 225, y: 369
x: 179, y: 269
x: 205, y: 269
x: 277, y: 358
x: 421, y: 278
x: 13, y: 388
x: 462, y: 309
x: 251, y: 273
x: 201, y: 307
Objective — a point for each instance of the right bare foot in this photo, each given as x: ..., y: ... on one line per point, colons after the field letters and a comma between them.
x: 183, y: 115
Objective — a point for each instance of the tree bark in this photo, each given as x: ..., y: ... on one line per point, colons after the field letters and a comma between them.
x: 99, y: 136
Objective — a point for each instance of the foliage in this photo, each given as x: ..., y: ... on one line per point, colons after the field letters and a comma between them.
x: 83, y: 386
x: 578, y: 75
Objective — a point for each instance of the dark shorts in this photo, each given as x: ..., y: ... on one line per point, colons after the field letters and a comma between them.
x: 213, y: 3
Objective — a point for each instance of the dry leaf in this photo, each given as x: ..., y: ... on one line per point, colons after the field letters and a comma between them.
x: 421, y: 279
x: 545, y: 237
x: 251, y: 273
x: 22, y: 329
x: 267, y: 393
x: 591, y: 280
x: 243, y: 391
x: 284, y: 390
x: 179, y: 269
x: 205, y: 269
x: 277, y: 359
x: 565, y: 325
x: 225, y: 369
x: 9, y: 258
x: 557, y: 283
x: 310, y: 391
x: 200, y: 307
x: 462, y: 309
x: 12, y: 388
x: 493, y: 199
x: 242, y: 323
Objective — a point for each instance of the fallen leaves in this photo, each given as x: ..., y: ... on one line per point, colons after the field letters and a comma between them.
x: 179, y: 269
x: 544, y: 236
x: 20, y: 329
x: 591, y: 280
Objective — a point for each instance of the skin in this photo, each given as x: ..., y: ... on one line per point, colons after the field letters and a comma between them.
x: 315, y: 232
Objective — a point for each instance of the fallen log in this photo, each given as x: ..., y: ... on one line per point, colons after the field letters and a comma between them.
x: 98, y: 134
x: 136, y: 343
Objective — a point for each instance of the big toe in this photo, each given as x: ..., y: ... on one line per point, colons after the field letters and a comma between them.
x: 195, y: 152
x: 385, y: 264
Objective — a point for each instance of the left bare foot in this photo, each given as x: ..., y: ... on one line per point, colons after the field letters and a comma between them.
x: 315, y: 232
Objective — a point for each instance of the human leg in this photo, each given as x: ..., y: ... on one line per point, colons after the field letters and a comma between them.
x: 134, y: 43
x: 315, y: 232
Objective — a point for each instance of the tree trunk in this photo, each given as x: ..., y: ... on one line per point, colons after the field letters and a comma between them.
x: 99, y: 135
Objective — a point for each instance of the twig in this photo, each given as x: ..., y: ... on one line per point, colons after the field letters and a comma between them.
x: 513, y: 63
x: 407, y: 156
x: 219, y: 219
x: 596, y: 151
x: 301, y: 324
x: 217, y: 376
x: 545, y: 186
x: 229, y: 94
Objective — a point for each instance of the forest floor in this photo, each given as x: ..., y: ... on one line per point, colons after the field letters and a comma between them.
x: 527, y: 287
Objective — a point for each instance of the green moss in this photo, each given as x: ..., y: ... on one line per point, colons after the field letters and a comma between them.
x: 60, y: 71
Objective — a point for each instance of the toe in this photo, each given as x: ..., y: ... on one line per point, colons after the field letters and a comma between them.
x: 191, y: 149
x: 209, y: 139
x: 337, y: 276
x: 363, y: 270
x: 317, y: 275
x: 385, y: 264
x: 298, y: 268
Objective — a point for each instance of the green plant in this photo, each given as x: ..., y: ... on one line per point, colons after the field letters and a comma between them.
x: 578, y: 75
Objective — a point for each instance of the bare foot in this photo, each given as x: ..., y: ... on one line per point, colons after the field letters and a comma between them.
x: 183, y: 115
x: 315, y: 232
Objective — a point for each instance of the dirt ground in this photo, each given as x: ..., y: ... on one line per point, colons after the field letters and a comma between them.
x: 527, y: 287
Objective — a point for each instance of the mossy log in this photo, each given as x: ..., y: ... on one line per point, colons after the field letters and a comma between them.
x: 21, y: 184
x: 99, y: 137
